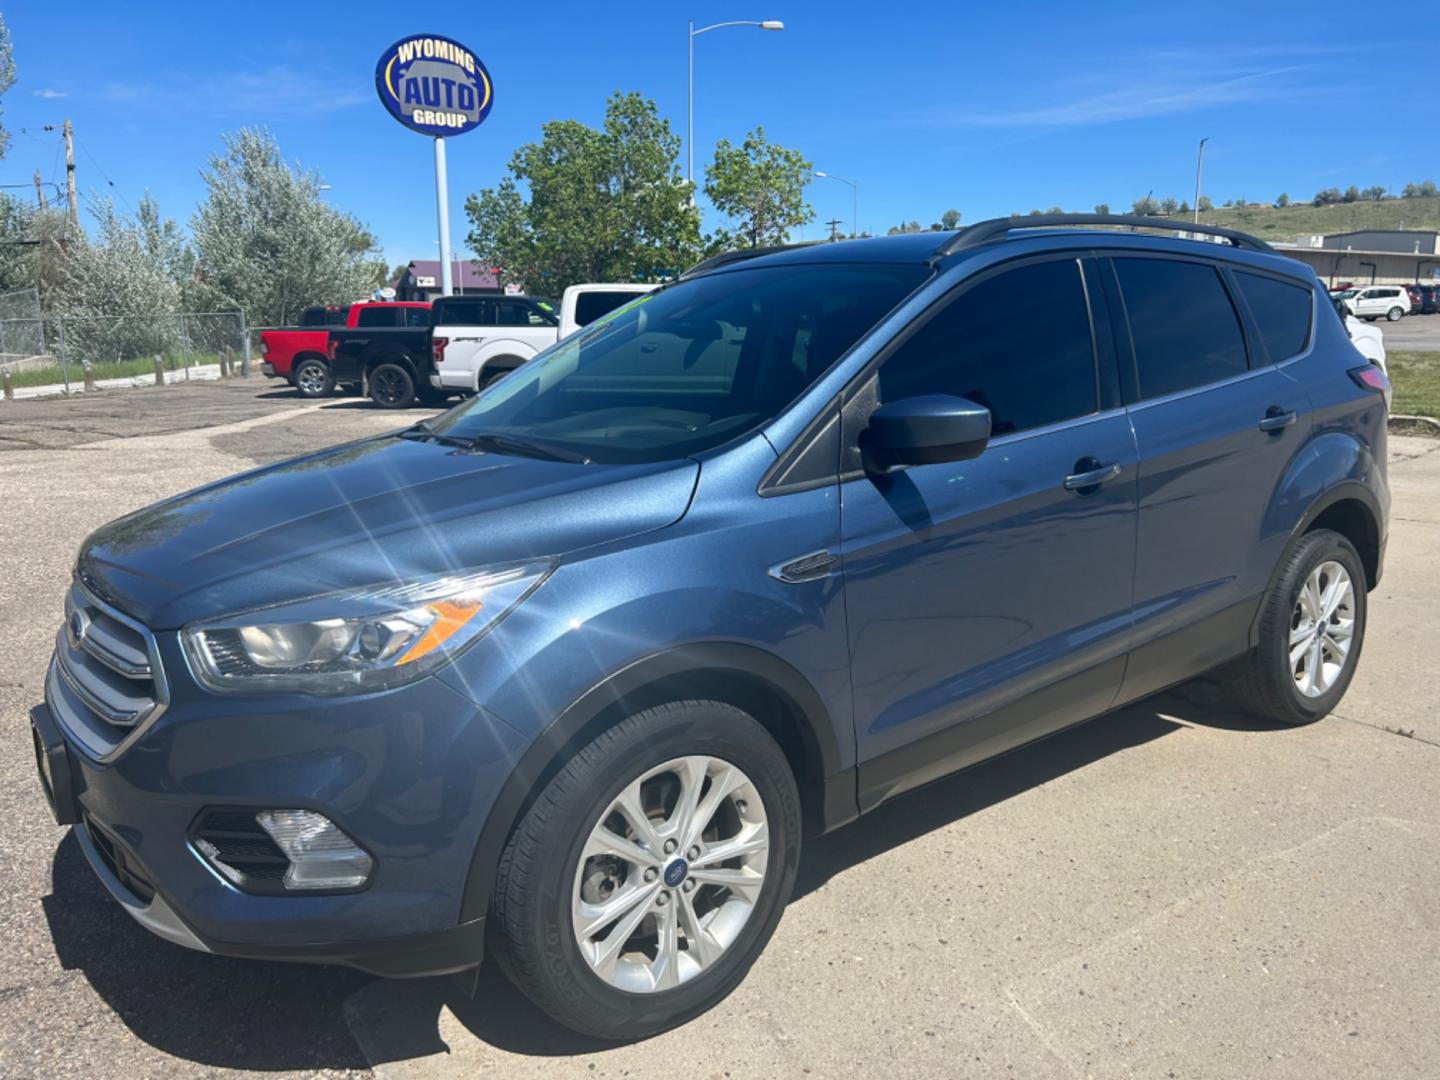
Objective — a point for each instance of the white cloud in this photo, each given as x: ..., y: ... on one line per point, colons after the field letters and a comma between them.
x: 49, y: 93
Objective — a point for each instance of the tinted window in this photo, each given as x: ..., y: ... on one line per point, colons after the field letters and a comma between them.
x: 1185, y: 329
x: 589, y: 306
x: 319, y: 316
x: 691, y: 366
x: 464, y: 313
x: 1018, y: 343
x: 377, y: 316
x: 417, y: 316
x: 512, y: 313
x: 1281, y: 313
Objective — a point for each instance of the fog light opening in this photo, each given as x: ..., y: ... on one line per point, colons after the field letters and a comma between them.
x: 321, y: 855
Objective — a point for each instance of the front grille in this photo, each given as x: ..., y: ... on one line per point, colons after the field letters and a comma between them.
x: 106, y: 682
x: 119, y: 861
x: 234, y: 843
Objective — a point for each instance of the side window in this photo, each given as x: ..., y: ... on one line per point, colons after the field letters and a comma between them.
x: 464, y: 313
x: 590, y: 306
x: 536, y: 315
x: 417, y: 316
x: 511, y: 313
x: 1018, y: 343
x: 1281, y: 312
x: 1184, y: 327
x: 376, y: 316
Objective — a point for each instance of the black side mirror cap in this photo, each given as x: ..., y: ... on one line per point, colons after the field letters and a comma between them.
x: 925, y: 430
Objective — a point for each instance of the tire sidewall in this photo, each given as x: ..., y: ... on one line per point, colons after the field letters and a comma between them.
x: 619, y: 1013
x: 327, y: 387
x: 1323, y: 547
x: 398, y: 369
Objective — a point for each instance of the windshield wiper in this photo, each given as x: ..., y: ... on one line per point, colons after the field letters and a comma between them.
x: 423, y: 432
x: 505, y: 442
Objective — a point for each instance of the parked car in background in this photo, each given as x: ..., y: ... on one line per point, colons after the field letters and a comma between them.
x: 568, y: 673
x: 299, y: 355
x: 478, y: 339
x: 1417, y: 298
x: 1376, y: 301
x: 1429, y: 299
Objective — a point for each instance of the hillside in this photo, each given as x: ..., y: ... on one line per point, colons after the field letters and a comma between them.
x: 1291, y: 222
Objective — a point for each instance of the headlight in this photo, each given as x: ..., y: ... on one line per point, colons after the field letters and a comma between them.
x: 349, y: 642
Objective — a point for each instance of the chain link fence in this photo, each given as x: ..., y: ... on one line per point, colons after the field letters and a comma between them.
x: 63, y: 354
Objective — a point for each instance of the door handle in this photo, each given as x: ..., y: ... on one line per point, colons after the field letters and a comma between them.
x: 1277, y: 419
x: 1091, y: 478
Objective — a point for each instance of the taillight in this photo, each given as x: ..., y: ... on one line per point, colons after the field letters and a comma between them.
x: 1371, y: 377
x: 437, y: 349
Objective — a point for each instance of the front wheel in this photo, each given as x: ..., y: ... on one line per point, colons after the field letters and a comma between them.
x: 1312, y: 626
x: 650, y: 872
x: 391, y: 387
x: 1393, y: 315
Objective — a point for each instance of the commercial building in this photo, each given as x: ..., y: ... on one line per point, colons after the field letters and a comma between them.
x: 1371, y: 256
x: 421, y: 280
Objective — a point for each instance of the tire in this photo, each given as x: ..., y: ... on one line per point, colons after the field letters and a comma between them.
x: 312, y: 378
x: 1393, y: 315
x: 505, y: 365
x: 1264, y: 682
x: 543, y: 880
x: 391, y: 386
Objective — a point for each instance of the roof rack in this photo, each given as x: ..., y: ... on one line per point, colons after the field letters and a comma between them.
x: 985, y: 231
x: 725, y: 258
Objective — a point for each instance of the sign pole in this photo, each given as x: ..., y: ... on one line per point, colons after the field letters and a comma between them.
x: 442, y: 203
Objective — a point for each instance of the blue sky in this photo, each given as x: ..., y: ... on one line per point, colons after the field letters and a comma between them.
x: 988, y: 108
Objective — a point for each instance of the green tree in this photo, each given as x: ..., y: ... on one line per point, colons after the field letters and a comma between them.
x: 268, y: 243
x: 599, y: 205
x: 7, y: 76
x: 1282, y: 199
x: 1184, y: 207
x: 1352, y: 194
x: 1205, y: 204
x: 760, y: 187
x: 1102, y: 208
x: 1145, y: 207
x: 950, y: 219
x: 1169, y: 206
x: 1327, y: 197
x: 1374, y: 194
x: 904, y: 227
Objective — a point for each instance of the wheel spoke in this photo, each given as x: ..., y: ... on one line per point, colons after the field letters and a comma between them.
x: 1343, y: 630
x: 1312, y: 667
x: 749, y: 843
x: 744, y: 882
x: 722, y: 784
x: 630, y: 807
x: 1302, y: 632
x: 666, y: 968
x: 691, y: 772
x: 590, y: 919
x: 609, y: 950
x: 702, y: 948
x: 603, y: 841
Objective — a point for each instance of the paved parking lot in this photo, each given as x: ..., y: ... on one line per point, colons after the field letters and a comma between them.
x: 1171, y: 890
x: 1420, y: 332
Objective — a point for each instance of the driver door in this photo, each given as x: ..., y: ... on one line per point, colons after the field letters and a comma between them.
x: 988, y: 601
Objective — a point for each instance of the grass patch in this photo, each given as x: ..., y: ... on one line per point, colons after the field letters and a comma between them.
x: 1416, y: 376
x: 1289, y: 222
x: 115, y: 369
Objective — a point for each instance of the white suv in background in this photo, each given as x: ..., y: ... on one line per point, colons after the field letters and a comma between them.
x: 1373, y: 301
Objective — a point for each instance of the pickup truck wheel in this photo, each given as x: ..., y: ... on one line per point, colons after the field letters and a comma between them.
x: 650, y: 872
x: 391, y: 387
x: 1312, y: 626
x: 313, y: 379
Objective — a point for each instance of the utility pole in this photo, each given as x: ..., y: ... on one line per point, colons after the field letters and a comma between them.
x: 833, y: 223
x: 39, y: 191
x: 70, y: 175
x: 1199, y: 165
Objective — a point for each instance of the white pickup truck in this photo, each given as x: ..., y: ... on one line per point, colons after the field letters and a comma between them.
x: 475, y: 340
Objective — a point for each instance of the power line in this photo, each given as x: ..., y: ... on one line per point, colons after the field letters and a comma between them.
x: 86, y: 151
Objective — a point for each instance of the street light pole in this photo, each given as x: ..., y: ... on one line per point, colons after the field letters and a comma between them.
x: 855, y: 201
x: 1199, y: 165
x: 691, y: 35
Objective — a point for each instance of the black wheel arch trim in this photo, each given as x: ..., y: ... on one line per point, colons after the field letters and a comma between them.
x: 829, y: 796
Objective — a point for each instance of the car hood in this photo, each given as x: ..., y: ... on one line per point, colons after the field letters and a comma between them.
x: 378, y: 510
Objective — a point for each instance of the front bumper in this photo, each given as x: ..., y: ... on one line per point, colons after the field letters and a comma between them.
x: 410, y: 774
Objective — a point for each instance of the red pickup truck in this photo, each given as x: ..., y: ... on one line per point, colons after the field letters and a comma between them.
x: 297, y: 354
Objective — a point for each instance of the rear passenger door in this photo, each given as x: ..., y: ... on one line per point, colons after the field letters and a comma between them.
x: 1216, y: 423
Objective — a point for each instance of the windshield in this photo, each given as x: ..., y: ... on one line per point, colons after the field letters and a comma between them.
x: 678, y: 371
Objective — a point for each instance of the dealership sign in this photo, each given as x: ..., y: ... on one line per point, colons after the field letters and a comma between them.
x: 434, y: 85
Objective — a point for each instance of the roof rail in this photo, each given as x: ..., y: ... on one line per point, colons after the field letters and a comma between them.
x: 984, y: 231
x: 725, y: 258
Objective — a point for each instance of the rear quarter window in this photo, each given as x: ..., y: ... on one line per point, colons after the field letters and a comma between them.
x: 1282, y: 313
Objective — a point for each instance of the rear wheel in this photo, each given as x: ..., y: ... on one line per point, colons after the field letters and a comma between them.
x: 313, y: 379
x: 650, y: 872
x: 1312, y: 627
x: 391, y: 387
x: 497, y: 370
x: 1394, y: 314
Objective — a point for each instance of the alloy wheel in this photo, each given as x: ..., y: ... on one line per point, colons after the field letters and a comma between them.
x: 389, y: 387
x: 670, y: 874
x: 311, y: 379
x: 1322, y: 628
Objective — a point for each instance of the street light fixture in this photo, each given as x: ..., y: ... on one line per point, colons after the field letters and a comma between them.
x: 759, y: 24
x: 855, y: 201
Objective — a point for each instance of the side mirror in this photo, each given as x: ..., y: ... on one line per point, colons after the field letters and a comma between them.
x: 925, y: 430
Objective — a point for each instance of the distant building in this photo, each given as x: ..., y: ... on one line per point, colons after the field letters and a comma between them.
x: 1371, y: 256
x: 421, y: 280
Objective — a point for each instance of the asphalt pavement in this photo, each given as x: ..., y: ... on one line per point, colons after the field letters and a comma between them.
x: 1171, y: 890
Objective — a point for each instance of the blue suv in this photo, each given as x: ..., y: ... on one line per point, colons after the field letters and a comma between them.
x: 562, y: 676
